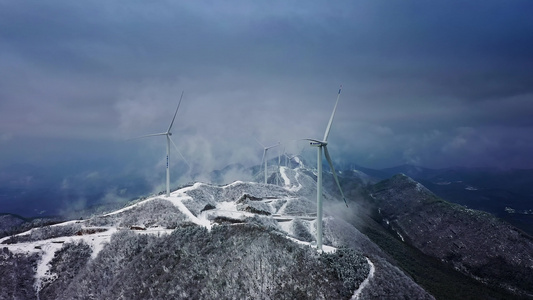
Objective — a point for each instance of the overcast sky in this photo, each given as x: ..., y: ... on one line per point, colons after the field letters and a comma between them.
x: 432, y: 83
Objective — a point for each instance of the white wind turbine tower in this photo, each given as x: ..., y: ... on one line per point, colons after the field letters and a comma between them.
x: 169, y: 140
x: 264, y: 160
x: 322, y: 144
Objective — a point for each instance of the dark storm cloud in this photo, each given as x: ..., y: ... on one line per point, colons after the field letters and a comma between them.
x: 436, y: 83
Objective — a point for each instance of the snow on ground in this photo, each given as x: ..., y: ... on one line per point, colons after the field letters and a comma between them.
x: 286, y: 180
x: 177, y: 198
x: 131, y: 206
x: 237, y: 182
x: 47, y: 249
x: 286, y: 226
x: 299, y: 187
x: 298, y: 161
x: 289, y: 185
x: 43, y: 268
x: 180, y: 192
x: 229, y: 209
x: 357, y: 293
x: 281, y: 210
x: 97, y: 241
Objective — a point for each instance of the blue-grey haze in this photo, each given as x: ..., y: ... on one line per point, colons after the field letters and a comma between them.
x: 432, y: 83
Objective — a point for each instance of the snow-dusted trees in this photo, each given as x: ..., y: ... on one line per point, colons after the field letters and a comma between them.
x: 16, y: 275
x: 46, y: 232
x: 300, y: 230
x: 157, y: 212
x: 228, y: 262
x: 66, y: 264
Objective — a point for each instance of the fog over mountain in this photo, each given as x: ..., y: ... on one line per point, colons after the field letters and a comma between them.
x: 242, y: 240
x: 396, y: 239
x: 436, y: 84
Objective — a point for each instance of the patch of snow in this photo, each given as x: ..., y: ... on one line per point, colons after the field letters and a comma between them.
x: 179, y: 192
x: 131, y: 206
x: 286, y: 180
x: 43, y: 267
x: 238, y: 182
x: 65, y: 223
x: 286, y: 226
x: 229, y: 209
x: 510, y: 210
x: 289, y: 186
x: 401, y: 237
x: 177, y: 197
x: 299, y: 187
x: 99, y: 240
x: 48, y: 248
x: 281, y: 210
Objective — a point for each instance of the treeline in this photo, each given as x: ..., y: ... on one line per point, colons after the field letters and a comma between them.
x: 11, y: 224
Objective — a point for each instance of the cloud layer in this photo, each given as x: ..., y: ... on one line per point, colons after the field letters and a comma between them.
x: 439, y: 83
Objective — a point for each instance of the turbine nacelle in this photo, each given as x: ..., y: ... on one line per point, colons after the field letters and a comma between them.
x: 316, y: 143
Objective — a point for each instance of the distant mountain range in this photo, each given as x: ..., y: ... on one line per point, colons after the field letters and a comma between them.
x: 472, y: 242
x: 507, y: 194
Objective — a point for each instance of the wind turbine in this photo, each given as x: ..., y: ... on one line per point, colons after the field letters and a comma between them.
x: 265, y: 149
x: 322, y: 144
x: 169, y: 140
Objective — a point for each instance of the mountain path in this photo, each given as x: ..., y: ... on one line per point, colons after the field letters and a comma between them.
x: 362, y: 286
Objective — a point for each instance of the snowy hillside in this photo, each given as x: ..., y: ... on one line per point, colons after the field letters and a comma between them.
x: 206, y: 235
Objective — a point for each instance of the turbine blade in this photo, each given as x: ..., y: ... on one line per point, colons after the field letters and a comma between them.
x: 182, y: 157
x: 332, y: 115
x: 143, y: 136
x: 269, y: 147
x: 334, y: 174
x: 172, y: 123
x: 259, y: 142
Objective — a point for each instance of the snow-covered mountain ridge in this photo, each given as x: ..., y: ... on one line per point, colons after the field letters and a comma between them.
x: 240, y: 212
